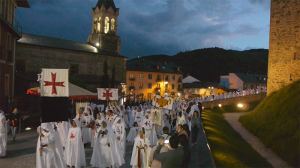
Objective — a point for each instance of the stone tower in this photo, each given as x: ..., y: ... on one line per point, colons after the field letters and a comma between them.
x: 284, y: 54
x: 104, y: 27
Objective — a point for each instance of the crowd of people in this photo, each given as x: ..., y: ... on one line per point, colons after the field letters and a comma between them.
x: 229, y: 95
x: 157, y: 137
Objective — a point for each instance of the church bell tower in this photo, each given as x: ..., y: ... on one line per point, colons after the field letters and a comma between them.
x: 104, y: 27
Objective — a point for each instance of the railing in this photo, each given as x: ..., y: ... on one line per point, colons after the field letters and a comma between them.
x: 230, y: 95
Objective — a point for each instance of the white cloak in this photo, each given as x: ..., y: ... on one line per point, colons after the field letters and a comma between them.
x: 102, y: 151
x: 74, y: 149
x: 132, y: 134
x: 3, y: 135
x: 48, y: 157
x: 143, y: 146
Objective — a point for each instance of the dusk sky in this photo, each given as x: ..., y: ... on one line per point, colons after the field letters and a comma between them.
x: 151, y: 27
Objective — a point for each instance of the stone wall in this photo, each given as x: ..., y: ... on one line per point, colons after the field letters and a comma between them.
x: 284, y: 55
x: 33, y: 58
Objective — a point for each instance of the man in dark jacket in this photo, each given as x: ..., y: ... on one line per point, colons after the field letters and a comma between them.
x: 174, y: 157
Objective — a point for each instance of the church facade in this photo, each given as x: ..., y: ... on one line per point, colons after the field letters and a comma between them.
x: 284, y: 54
x: 97, y: 63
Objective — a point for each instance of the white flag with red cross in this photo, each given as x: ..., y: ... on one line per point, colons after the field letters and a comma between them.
x: 54, y: 83
x: 107, y: 94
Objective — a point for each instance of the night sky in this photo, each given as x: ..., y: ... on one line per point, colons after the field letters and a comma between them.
x: 151, y: 27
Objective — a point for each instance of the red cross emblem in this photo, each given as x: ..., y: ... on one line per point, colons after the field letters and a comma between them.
x: 53, y: 83
x: 107, y: 94
x: 72, y: 136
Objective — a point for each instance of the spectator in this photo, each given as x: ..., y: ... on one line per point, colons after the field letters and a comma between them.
x: 13, y: 119
x: 165, y: 136
x: 195, y: 127
x: 174, y: 157
x: 184, y: 142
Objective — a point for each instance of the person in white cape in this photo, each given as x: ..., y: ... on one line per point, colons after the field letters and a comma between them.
x: 101, y: 156
x: 63, y: 129
x: 74, y: 149
x: 133, y: 132
x: 3, y: 134
x: 150, y: 132
x: 120, y: 133
x: 86, y: 130
x: 46, y: 154
x: 139, y: 157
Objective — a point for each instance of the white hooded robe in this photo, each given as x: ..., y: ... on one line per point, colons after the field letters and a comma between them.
x: 3, y: 134
x: 74, y: 149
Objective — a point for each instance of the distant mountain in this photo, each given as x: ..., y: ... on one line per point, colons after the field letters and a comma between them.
x: 209, y: 63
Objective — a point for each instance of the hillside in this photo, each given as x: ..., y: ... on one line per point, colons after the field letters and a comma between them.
x: 208, y: 64
x: 278, y: 116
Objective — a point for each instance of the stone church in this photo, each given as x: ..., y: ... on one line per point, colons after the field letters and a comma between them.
x: 284, y: 54
x: 97, y: 63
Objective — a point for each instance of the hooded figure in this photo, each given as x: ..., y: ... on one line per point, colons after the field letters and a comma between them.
x: 74, y: 149
x: 120, y: 133
x: 3, y: 134
x: 150, y: 132
x: 139, y: 157
x: 47, y: 155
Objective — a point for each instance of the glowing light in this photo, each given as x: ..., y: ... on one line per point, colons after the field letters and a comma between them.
x: 97, y: 44
x: 166, y: 83
x: 179, y: 94
x: 240, y: 105
x: 220, y: 105
x: 27, y: 129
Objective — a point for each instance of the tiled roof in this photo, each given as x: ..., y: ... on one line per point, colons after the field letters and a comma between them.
x: 252, y: 78
x: 61, y: 44
x: 150, y: 66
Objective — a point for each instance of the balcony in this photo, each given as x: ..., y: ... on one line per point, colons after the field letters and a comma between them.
x: 132, y: 79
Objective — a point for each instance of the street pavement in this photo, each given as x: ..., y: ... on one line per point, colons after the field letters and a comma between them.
x: 21, y: 153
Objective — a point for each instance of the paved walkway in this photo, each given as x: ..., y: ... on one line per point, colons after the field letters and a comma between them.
x: 21, y: 154
x: 257, y: 145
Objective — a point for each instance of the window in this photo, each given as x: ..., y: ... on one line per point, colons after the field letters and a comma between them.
x: 149, y: 85
x: 113, y: 26
x: 158, y: 78
x: 99, y: 25
x: 131, y: 77
x: 173, y: 77
x: 141, y: 76
x: 167, y: 78
x: 173, y: 86
x: 149, y: 76
x: 140, y: 85
x: 106, y: 26
x: 74, y: 69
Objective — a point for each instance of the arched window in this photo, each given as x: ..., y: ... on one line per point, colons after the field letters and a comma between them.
x: 95, y: 25
x: 113, y: 26
x: 106, y: 26
x: 99, y: 25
